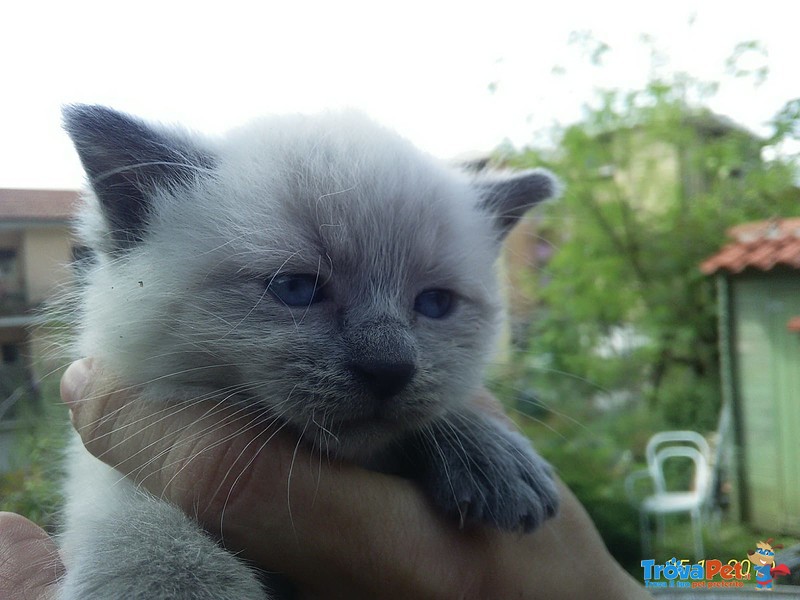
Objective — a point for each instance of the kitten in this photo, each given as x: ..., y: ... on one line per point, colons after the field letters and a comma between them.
x: 321, y: 266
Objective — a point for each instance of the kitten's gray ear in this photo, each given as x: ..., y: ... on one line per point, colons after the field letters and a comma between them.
x: 126, y: 160
x: 509, y: 198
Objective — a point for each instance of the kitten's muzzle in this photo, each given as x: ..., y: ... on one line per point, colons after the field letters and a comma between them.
x: 384, y: 379
x: 383, y: 355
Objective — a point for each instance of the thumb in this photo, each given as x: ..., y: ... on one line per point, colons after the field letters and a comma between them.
x: 30, y: 566
x: 188, y: 451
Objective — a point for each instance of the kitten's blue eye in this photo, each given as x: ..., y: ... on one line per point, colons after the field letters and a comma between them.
x: 296, y: 290
x: 434, y: 304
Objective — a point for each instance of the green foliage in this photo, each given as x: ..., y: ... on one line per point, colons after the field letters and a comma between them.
x: 32, y: 488
x: 652, y: 184
x: 787, y: 122
x: 749, y: 59
x: 623, y: 339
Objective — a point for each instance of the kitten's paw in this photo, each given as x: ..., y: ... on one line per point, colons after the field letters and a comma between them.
x: 479, y: 473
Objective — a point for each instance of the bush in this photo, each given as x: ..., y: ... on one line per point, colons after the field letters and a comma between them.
x: 32, y: 488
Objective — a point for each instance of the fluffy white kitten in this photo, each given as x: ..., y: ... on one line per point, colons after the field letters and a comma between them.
x: 320, y: 268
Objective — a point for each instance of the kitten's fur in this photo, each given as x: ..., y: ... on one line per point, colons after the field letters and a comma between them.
x: 190, y: 231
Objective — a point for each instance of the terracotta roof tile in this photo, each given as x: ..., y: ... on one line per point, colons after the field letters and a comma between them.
x: 789, y: 253
x: 793, y: 325
x: 761, y: 245
x: 37, y: 205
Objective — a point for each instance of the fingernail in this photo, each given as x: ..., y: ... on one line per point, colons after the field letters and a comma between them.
x: 75, y: 381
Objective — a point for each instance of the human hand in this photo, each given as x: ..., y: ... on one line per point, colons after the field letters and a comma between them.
x: 334, y: 529
x: 30, y: 566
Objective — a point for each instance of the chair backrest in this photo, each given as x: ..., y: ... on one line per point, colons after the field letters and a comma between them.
x: 701, y: 469
x: 671, y: 444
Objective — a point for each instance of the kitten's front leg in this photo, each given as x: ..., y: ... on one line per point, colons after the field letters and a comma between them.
x: 479, y: 472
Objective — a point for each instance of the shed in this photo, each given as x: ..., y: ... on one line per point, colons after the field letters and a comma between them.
x: 758, y: 277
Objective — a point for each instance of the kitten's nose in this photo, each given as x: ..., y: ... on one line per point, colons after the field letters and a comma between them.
x: 384, y: 379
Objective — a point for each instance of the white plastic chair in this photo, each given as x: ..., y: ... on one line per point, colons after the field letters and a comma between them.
x: 662, y: 447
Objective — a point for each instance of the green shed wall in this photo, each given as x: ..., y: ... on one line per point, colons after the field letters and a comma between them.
x: 767, y: 379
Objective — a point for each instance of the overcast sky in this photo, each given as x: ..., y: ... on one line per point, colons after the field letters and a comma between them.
x: 424, y: 68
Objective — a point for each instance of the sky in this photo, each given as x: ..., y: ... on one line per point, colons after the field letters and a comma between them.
x: 457, y: 78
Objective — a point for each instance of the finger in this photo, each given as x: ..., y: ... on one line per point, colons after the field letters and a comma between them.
x: 30, y: 566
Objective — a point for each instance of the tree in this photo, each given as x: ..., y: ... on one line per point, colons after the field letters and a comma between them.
x: 652, y: 184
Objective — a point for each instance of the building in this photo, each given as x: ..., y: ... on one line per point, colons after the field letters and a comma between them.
x: 35, y: 253
x: 758, y: 277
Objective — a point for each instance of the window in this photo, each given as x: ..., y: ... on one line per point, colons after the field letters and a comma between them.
x: 8, y: 267
x: 10, y: 353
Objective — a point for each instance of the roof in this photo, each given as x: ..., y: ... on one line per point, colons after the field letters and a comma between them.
x: 715, y: 124
x: 704, y: 122
x: 762, y: 245
x: 37, y: 205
